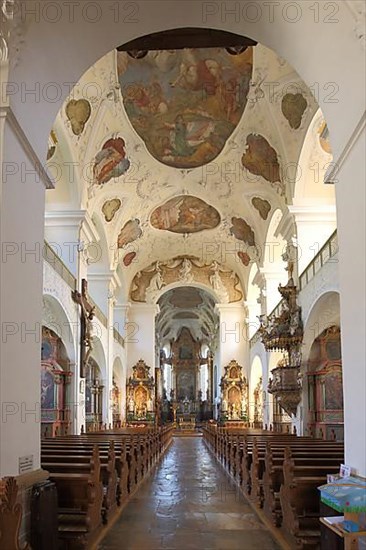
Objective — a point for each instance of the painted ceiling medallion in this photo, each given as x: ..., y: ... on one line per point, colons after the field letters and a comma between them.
x: 244, y: 258
x: 261, y: 159
x: 128, y: 259
x: 262, y: 206
x: 186, y: 103
x: 129, y: 233
x: 110, y: 208
x: 185, y: 214
x: 78, y: 112
x: 242, y: 231
x: 111, y: 161
x: 293, y: 107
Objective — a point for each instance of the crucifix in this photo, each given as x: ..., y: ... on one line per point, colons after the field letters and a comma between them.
x: 86, y: 317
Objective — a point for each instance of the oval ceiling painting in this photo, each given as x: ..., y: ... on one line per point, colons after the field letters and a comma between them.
x: 185, y: 214
x: 185, y: 103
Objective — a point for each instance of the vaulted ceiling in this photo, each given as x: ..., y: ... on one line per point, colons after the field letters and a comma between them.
x: 182, y: 153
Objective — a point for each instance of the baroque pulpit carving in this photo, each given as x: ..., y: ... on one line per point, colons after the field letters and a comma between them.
x: 283, y: 331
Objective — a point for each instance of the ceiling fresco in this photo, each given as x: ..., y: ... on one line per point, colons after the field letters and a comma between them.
x: 262, y: 206
x: 188, y: 151
x: 185, y: 214
x: 78, y: 112
x: 110, y: 208
x: 111, y: 161
x: 242, y: 231
x: 129, y: 233
x: 293, y: 107
x: 186, y: 103
x: 261, y: 159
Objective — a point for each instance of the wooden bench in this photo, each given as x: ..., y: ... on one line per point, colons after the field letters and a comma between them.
x: 80, y: 497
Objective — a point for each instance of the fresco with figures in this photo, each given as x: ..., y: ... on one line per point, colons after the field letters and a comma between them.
x: 185, y: 214
x: 185, y: 103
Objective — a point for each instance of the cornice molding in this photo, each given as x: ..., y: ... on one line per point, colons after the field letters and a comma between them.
x: 27, y: 147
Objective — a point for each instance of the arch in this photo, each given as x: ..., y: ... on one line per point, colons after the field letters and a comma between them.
x: 55, y: 317
x: 324, y: 312
x: 314, y: 162
x: 157, y: 17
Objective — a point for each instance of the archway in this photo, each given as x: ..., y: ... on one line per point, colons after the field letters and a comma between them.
x: 36, y: 118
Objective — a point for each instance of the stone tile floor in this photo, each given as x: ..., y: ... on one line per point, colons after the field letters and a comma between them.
x: 188, y: 503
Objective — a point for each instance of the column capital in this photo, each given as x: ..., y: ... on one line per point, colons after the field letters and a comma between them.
x: 154, y: 309
x: 319, y: 213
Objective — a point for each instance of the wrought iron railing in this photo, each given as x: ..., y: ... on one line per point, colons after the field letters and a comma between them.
x: 327, y: 251
x: 117, y: 336
x: 58, y: 265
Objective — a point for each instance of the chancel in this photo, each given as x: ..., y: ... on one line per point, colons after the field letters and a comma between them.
x: 182, y: 275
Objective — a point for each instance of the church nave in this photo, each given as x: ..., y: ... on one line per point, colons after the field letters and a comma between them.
x: 190, y: 503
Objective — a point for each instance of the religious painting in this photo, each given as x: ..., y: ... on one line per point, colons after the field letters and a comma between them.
x: 293, y: 107
x: 110, y: 208
x: 129, y: 233
x: 262, y: 206
x: 185, y: 214
x: 111, y: 161
x: 333, y: 391
x: 185, y: 352
x: 242, y: 231
x: 185, y: 103
x: 186, y: 384
x: 47, y: 389
x: 78, y: 112
x: 261, y: 159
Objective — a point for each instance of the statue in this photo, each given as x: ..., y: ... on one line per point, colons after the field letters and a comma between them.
x: 156, y: 283
x: 217, y: 283
x: 185, y: 272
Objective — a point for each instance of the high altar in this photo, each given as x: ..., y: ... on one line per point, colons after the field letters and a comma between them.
x: 140, y: 391
x: 234, y: 395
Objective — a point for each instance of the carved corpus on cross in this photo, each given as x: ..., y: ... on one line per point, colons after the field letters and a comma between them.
x: 86, y: 317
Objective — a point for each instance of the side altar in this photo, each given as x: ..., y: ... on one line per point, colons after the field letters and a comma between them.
x: 234, y: 396
x: 140, y: 392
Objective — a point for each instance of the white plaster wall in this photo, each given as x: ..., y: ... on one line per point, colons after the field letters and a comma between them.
x: 22, y: 202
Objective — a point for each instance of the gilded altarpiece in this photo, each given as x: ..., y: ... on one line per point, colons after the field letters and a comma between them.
x: 325, y: 387
x: 234, y: 394
x: 55, y: 384
x: 186, y: 363
x: 140, y: 394
x: 94, y: 391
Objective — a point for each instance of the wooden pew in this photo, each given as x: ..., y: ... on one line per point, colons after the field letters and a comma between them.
x: 80, y: 497
x: 80, y: 463
x: 299, y: 499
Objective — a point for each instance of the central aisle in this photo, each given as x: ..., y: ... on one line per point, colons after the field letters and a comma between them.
x: 188, y: 503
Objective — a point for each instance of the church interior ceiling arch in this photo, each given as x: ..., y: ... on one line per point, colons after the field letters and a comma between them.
x: 183, y: 153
